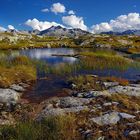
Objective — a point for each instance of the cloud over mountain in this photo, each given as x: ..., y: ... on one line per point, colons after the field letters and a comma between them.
x: 40, y: 25
x: 11, y: 27
x: 120, y: 24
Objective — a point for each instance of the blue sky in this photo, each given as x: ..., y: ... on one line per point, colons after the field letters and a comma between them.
x: 92, y: 12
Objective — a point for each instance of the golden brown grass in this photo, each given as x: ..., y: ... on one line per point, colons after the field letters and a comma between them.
x: 134, y: 50
x: 85, y: 82
x: 104, y: 60
x: 19, y: 69
x: 130, y: 102
x: 121, y: 81
x: 17, y: 74
x: 52, y: 128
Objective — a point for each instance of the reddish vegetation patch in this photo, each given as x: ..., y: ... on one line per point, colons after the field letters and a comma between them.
x: 121, y: 81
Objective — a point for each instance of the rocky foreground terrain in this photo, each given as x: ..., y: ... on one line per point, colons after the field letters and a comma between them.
x: 113, y: 113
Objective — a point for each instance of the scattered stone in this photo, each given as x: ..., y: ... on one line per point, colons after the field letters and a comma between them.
x: 80, y: 95
x: 135, y: 123
x: 110, y: 84
x: 111, y: 118
x: 87, y: 133
x: 6, y: 119
x: 65, y: 105
x: 128, y: 90
x: 107, y: 104
x: 17, y: 88
x: 134, y: 132
x: 49, y: 112
x: 137, y: 112
x: 125, y: 42
x: 98, y: 106
x: 73, y: 85
x: 68, y: 102
x: 75, y: 109
x: 95, y: 76
x: 126, y: 116
x: 115, y: 103
x: 110, y: 103
x: 91, y: 94
x: 24, y: 85
x: 9, y: 96
x: 101, y: 138
x: 6, y: 122
x: 130, y: 132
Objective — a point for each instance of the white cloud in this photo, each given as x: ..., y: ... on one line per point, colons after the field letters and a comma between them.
x: 71, y: 12
x: 120, y: 24
x: 58, y: 8
x: 45, y: 10
x: 102, y: 27
x: 74, y: 22
x: 40, y: 25
x: 2, y: 29
x: 11, y: 27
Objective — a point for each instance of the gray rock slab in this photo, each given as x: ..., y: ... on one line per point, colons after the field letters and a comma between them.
x: 9, y: 95
x: 128, y: 90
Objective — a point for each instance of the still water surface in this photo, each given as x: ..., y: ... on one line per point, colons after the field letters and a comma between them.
x: 55, y: 85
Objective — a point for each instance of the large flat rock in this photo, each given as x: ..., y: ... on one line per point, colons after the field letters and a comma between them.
x: 132, y: 90
x: 68, y: 102
x: 9, y: 95
x: 111, y: 118
x: 65, y: 105
x: 17, y: 88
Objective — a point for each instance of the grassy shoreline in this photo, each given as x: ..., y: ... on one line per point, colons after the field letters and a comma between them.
x: 16, y: 70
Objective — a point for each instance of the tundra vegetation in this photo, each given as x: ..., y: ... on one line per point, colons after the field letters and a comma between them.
x: 16, y: 70
x: 129, y: 44
x: 72, y: 125
x: 98, y: 60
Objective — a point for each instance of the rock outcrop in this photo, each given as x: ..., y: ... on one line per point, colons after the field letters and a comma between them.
x: 9, y: 96
x: 111, y: 118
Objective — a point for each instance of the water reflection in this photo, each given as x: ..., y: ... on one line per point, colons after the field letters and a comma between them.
x: 55, y: 84
x: 47, y: 55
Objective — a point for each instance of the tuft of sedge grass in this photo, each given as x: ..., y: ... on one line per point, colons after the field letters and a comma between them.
x: 51, y: 128
x: 104, y: 60
x: 16, y: 74
x: 98, y: 53
x: 121, y: 81
x: 130, y: 102
x: 20, y: 60
x: 85, y: 82
x: 133, y: 50
x: 16, y: 70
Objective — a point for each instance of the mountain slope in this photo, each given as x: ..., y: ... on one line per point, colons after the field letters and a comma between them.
x: 60, y: 31
x: 128, y: 32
